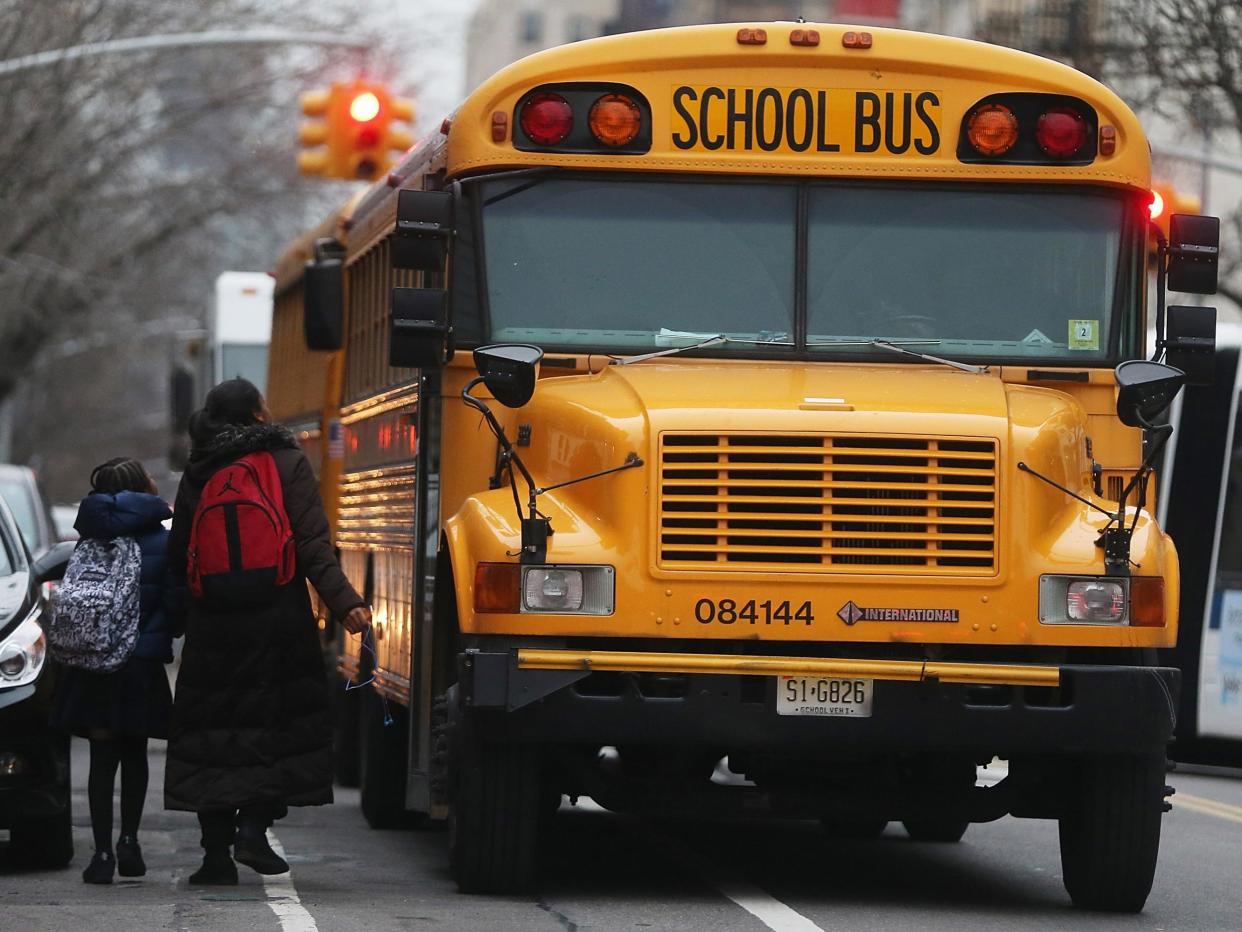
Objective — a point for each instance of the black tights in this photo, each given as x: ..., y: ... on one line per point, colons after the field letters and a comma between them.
x: 106, y: 753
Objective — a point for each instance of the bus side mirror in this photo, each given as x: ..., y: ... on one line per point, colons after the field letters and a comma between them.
x: 509, y: 371
x: 1194, y: 248
x: 323, y: 304
x: 420, y: 326
x: 420, y: 336
x: 424, y: 228
x: 1144, y: 390
x: 1190, y: 342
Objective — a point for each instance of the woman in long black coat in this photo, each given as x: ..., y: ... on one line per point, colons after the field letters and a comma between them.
x: 251, y: 733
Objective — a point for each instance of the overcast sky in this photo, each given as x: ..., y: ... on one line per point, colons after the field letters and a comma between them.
x: 434, y: 72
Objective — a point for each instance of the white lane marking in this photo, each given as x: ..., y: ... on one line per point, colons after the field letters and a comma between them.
x: 767, y: 909
x: 774, y: 914
x: 283, y: 897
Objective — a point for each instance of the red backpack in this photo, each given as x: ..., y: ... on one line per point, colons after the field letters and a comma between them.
x: 241, y: 545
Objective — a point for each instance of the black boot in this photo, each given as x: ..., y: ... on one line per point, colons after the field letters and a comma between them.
x: 218, y: 870
x: 100, y: 869
x: 250, y: 847
x: 129, y: 861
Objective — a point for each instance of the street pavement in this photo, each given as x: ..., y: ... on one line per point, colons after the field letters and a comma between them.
x: 603, y: 872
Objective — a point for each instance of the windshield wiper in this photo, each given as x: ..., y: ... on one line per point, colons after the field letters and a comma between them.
x: 894, y: 348
x: 710, y: 341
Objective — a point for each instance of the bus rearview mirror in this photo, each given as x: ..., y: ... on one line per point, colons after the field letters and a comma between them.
x: 1194, y: 248
x: 1190, y: 342
x: 323, y: 308
x: 1144, y: 390
x: 424, y: 227
x: 420, y: 334
x: 509, y: 371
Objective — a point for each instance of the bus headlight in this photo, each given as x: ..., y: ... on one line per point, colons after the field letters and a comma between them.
x: 22, y: 653
x: 1079, y: 600
x: 571, y: 590
x: 1095, y: 600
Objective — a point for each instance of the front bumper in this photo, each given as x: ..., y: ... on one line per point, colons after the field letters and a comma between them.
x: 728, y: 702
x: 40, y: 786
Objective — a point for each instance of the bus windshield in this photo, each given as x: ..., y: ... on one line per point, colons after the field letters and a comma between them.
x: 986, y: 273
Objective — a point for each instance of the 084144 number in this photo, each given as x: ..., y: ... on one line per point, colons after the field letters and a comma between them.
x: 752, y: 612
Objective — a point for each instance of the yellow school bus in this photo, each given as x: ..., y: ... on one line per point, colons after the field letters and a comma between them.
x: 765, y: 401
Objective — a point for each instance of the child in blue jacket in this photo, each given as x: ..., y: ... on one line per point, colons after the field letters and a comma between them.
x: 117, y: 712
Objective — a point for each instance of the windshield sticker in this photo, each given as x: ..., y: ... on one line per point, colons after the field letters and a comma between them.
x: 851, y: 613
x: 1037, y: 338
x: 1084, y: 334
x: 793, y: 120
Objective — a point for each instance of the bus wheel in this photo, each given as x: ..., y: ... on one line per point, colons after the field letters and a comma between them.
x: 931, y: 828
x: 860, y: 829
x: 1110, y: 831
x: 493, y: 814
x: 382, y: 762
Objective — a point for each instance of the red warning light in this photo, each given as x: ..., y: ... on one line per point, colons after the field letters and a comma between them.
x: 1157, y: 205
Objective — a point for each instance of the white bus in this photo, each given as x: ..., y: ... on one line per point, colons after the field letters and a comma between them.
x: 241, y: 327
x: 1201, y: 506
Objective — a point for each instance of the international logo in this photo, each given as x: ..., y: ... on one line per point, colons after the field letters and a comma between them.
x: 852, y: 613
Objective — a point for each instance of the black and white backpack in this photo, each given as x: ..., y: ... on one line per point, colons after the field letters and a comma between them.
x: 95, y: 618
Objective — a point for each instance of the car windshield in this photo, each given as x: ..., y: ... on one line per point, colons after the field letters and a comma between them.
x: 17, y: 496
x: 7, y: 563
x: 994, y: 272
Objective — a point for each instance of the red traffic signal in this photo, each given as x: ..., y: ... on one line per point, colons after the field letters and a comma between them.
x: 358, y: 131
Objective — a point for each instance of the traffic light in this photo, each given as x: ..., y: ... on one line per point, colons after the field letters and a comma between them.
x: 312, y: 136
x: 356, y: 137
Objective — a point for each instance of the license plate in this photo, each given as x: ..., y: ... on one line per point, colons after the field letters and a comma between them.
x: 816, y: 695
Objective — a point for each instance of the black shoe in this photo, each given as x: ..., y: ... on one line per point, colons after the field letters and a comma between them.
x: 250, y: 847
x: 100, y: 869
x: 129, y: 861
x: 218, y: 870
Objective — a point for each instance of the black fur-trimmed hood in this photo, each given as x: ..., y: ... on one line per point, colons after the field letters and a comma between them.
x: 234, y: 442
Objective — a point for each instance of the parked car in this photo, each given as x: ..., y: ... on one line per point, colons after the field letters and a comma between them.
x: 21, y: 493
x: 34, y: 759
x: 63, y: 517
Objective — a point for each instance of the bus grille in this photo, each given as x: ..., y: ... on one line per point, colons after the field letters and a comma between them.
x: 814, y: 503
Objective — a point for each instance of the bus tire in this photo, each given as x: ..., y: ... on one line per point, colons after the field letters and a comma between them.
x: 493, y: 814
x: 937, y: 829
x: 1110, y: 831
x: 45, y: 842
x: 382, y: 763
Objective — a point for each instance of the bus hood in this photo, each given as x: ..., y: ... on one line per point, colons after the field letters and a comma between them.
x: 894, y: 488
x: 748, y: 435
x: 868, y: 399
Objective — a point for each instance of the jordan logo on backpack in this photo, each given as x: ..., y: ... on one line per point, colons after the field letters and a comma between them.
x: 241, y: 544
